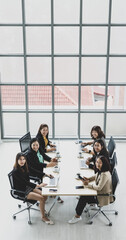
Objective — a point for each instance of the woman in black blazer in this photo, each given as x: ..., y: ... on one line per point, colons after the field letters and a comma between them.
x: 42, y: 136
x: 35, y: 159
x: 22, y: 183
x: 99, y: 149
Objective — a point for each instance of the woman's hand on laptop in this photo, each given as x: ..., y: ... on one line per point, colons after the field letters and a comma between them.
x: 54, y: 159
x: 51, y: 164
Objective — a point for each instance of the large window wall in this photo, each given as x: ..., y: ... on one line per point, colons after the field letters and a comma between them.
x: 63, y: 62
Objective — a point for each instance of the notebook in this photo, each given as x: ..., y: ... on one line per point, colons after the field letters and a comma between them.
x: 52, y: 182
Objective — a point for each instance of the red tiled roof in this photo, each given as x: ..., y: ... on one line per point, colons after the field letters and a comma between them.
x: 64, y: 95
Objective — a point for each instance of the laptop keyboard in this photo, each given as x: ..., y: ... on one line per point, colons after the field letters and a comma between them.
x: 52, y: 181
x: 83, y: 164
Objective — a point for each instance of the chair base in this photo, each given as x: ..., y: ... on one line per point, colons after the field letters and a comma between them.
x: 100, y: 211
x: 28, y: 208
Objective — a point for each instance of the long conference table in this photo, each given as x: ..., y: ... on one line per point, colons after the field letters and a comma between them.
x: 69, y: 167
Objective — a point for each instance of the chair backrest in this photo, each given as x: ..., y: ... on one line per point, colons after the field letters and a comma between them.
x: 113, y: 161
x: 111, y: 146
x: 12, y: 191
x: 15, y: 194
x: 115, y: 180
x: 25, y: 142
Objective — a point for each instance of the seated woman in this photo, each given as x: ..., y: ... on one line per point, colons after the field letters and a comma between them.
x: 96, y: 133
x: 35, y: 159
x: 103, y: 185
x: 22, y: 183
x: 42, y: 136
x: 98, y: 149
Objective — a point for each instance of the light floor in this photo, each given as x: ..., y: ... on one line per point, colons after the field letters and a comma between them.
x: 19, y: 229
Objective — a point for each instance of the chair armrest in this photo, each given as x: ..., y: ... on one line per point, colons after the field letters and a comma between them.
x: 17, y: 191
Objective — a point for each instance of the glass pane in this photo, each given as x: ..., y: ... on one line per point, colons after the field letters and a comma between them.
x: 38, y: 11
x: 39, y: 70
x: 118, y: 40
x: 71, y: 66
x: 94, y: 40
x: 13, y: 97
x: 12, y: 69
x: 95, y: 11
x: 66, y: 11
x: 66, y: 97
x: 14, y: 124
x: 11, y: 40
x: 65, y: 128
x: 41, y: 40
x: 10, y: 11
x: 93, y: 70
x: 88, y: 120
x: 116, y: 129
x: 36, y: 119
x: 66, y: 40
x: 117, y: 97
x: 117, y: 70
x: 119, y: 11
x: 92, y: 97
x: 40, y: 97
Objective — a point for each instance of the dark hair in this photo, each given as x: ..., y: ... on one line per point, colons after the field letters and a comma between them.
x: 16, y: 165
x: 33, y: 140
x: 105, y: 164
x: 100, y: 142
x: 98, y: 130
x: 41, y: 127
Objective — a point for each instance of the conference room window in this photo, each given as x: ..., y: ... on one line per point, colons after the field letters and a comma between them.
x: 92, y: 97
x: 88, y: 120
x: 39, y: 97
x: 66, y: 97
x: 36, y: 119
x: 62, y: 59
x: 39, y: 70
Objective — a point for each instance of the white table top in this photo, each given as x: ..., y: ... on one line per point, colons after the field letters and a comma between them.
x: 69, y: 167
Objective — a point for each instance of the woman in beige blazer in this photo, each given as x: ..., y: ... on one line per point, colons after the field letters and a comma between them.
x: 102, y: 184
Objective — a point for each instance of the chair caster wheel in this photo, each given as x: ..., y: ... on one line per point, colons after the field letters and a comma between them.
x: 29, y: 222
x: 110, y: 224
x: 19, y: 205
x: 14, y: 217
x: 90, y: 222
x: 116, y: 213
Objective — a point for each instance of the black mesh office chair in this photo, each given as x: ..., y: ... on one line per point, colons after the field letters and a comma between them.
x: 25, y: 142
x: 113, y: 161
x: 20, y: 195
x: 111, y: 147
x: 115, y: 181
x: 24, y: 146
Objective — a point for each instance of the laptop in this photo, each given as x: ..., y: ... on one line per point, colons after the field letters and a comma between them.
x: 83, y: 164
x: 52, y: 182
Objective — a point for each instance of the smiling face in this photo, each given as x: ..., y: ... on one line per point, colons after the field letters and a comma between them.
x: 21, y: 161
x: 99, y: 164
x: 94, y: 134
x: 44, y: 131
x: 35, y: 146
x: 97, y: 147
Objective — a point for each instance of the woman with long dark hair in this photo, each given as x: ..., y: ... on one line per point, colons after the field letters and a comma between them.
x: 36, y: 157
x: 43, y: 139
x: 98, y: 149
x: 96, y: 133
x: 102, y: 184
x: 22, y: 183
